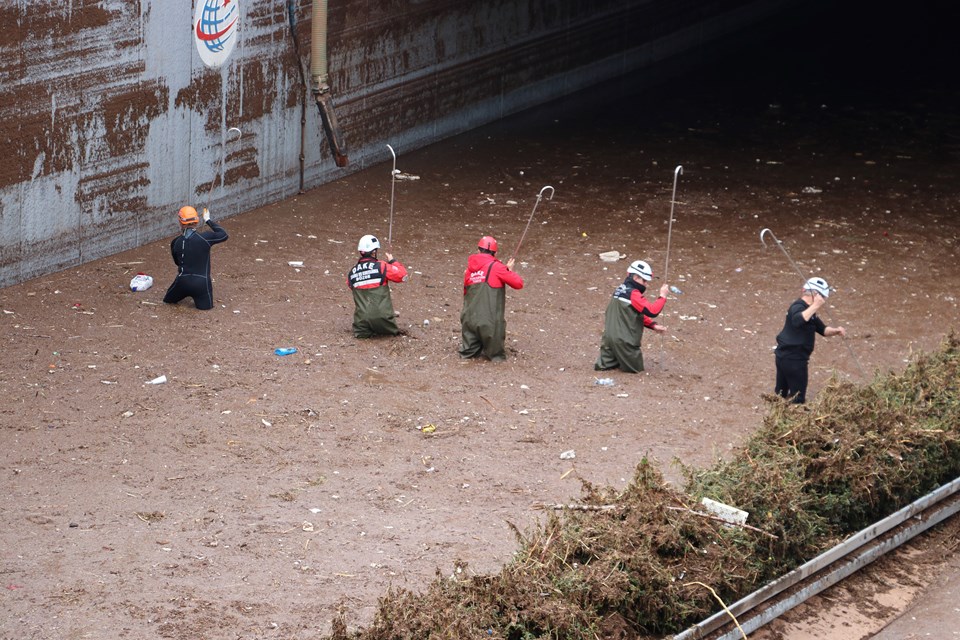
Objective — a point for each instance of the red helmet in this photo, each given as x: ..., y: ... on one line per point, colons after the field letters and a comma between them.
x: 489, y: 243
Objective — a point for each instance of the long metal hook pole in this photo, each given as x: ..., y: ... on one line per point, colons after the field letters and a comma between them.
x: 530, y: 219
x: 213, y: 183
x: 666, y: 266
x: 673, y: 200
x: 796, y: 268
x: 393, y: 183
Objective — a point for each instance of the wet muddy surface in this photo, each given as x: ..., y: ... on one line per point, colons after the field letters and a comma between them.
x: 253, y: 495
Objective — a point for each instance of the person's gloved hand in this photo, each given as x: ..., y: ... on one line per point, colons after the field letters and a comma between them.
x: 206, y: 215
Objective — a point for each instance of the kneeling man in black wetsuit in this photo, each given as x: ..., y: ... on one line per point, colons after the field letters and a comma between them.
x: 191, y: 254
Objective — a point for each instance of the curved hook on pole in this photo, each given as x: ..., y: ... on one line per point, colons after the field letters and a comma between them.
x: 783, y: 249
x: 530, y: 219
x: 393, y: 182
x: 763, y: 231
x: 394, y: 154
x: 673, y: 200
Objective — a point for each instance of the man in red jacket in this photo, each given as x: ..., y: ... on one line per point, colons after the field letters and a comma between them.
x: 628, y: 313
x: 482, y: 322
x: 369, y: 280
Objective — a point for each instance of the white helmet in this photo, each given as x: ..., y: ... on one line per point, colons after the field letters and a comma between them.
x: 368, y: 243
x: 819, y: 285
x: 642, y: 269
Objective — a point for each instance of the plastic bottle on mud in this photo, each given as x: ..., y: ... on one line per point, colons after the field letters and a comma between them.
x: 141, y: 282
x: 675, y: 290
x: 285, y: 351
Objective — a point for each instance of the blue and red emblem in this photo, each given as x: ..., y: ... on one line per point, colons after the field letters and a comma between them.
x: 216, y: 23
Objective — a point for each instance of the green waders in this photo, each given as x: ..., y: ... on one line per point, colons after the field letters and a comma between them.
x: 482, y: 324
x: 373, y: 314
x: 622, y: 333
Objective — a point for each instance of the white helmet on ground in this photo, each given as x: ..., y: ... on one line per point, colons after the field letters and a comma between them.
x: 368, y: 243
x: 642, y: 269
x: 818, y: 285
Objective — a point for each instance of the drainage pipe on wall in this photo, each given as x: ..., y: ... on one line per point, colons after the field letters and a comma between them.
x: 321, y: 90
x: 292, y: 17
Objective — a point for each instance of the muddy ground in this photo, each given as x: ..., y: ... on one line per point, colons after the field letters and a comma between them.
x: 254, y: 496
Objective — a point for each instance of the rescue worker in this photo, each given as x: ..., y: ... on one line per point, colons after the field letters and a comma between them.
x: 795, y: 341
x: 369, y: 280
x: 191, y: 254
x: 628, y: 313
x: 482, y: 324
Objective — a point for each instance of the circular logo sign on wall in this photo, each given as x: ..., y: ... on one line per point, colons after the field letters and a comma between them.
x: 215, y: 29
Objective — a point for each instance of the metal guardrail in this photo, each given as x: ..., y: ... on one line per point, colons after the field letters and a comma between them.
x: 833, y: 565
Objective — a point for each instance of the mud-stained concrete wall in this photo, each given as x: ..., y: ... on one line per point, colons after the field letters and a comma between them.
x: 109, y: 120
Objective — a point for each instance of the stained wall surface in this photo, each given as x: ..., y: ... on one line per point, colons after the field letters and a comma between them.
x: 110, y: 121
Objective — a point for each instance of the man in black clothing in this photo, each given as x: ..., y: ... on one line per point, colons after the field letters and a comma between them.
x: 795, y: 340
x: 191, y: 254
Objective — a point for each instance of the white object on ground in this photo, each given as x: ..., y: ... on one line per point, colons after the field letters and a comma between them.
x: 612, y: 256
x: 724, y: 511
x: 141, y: 282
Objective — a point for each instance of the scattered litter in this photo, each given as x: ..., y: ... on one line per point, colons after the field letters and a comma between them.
x: 603, y: 382
x: 285, y: 351
x: 738, y: 269
x: 430, y: 428
x: 158, y: 380
x: 295, y: 263
x: 623, y: 395
x: 314, y: 510
x: 426, y: 322
x: 523, y: 386
x: 812, y: 190
x: 141, y: 282
x: 308, y: 526
x: 568, y: 455
x: 612, y: 256
x: 675, y: 290
x: 725, y: 512
x: 265, y: 422
x: 405, y: 176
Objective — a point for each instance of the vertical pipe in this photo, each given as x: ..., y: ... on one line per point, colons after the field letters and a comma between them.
x: 321, y: 90
x: 318, y: 45
x: 292, y: 18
